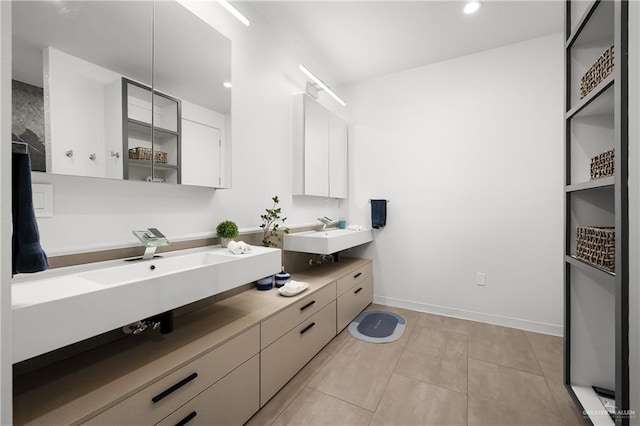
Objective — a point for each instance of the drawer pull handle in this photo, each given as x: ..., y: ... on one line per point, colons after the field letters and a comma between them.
x: 308, y: 305
x: 357, y: 275
x: 187, y: 419
x: 307, y: 328
x: 174, y: 388
x: 358, y: 291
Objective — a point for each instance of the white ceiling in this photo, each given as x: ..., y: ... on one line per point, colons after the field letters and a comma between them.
x: 365, y: 39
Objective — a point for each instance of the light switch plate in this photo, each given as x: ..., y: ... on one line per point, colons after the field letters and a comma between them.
x: 42, y: 199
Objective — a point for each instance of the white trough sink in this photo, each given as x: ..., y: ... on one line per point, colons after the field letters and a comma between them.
x: 58, y: 307
x: 326, y: 242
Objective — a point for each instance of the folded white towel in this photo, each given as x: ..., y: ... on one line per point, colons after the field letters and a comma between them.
x: 355, y: 228
x: 239, y: 247
x: 293, y: 286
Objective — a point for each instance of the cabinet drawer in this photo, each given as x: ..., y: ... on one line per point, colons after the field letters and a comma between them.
x: 159, y: 399
x: 355, y: 277
x: 352, y: 302
x: 274, y: 327
x: 230, y: 401
x: 285, y: 357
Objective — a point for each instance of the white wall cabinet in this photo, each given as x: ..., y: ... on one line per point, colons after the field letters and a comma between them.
x: 204, y: 145
x: 320, y: 147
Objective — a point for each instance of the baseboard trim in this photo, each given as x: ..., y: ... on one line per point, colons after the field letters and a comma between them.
x: 522, y: 324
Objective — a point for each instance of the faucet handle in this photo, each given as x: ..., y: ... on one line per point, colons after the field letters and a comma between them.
x: 153, y: 233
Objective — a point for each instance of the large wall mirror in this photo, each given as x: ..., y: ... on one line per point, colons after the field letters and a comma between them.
x: 133, y: 90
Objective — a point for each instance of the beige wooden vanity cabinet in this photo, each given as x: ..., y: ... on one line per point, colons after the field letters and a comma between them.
x: 158, y: 400
x: 218, y: 367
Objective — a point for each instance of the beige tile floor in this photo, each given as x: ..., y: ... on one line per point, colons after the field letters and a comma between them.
x: 443, y: 371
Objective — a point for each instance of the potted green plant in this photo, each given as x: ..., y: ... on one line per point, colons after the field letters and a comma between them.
x: 272, y: 225
x: 272, y: 228
x: 227, y: 230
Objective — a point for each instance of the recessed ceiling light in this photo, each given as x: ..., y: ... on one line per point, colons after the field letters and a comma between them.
x: 471, y: 7
x: 227, y: 84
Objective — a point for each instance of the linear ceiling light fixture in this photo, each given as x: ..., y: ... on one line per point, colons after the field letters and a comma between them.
x: 321, y: 85
x: 235, y: 12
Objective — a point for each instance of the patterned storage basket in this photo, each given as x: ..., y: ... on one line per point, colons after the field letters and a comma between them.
x: 598, y: 72
x: 597, y: 246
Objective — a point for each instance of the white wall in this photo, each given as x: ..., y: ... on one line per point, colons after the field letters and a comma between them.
x: 470, y: 154
x: 93, y: 213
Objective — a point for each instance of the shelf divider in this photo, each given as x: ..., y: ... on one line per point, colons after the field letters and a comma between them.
x: 592, y: 406
x: 594, y: 94
x: 592, y: 184
x: 587, y: 267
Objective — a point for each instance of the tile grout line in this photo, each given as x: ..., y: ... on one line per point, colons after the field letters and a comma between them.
x: 506, y: 366
x: 546, y: 379
x: 432, y: 384
x: 393, y: 371
x: 306, y: 384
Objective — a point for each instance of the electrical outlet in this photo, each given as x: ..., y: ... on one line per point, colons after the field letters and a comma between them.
x: 481, y: 278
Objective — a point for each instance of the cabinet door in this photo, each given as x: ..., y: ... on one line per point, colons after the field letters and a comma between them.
x: 316, y: 149
x: 200, y: 154
x: 338, y: 157
x: 231, y: 401
x: 351, y: 303
x: 281, y: 360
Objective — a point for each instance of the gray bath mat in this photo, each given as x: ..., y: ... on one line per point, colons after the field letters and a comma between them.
x: 377, y: 326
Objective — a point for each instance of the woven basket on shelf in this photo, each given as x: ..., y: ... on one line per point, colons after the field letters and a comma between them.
x: 602, y: 165
x: 598, y: 72
x: 144, y: 154
x: 596, y: 246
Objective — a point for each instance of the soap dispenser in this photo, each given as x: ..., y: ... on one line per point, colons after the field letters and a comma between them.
x: 282, y: 278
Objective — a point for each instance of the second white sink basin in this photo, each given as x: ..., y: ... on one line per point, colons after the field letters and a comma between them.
x: 326, y: 242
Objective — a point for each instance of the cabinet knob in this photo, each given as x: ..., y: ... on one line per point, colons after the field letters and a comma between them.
x: 69, y: 153
x: 115, y: 154
x: 92, y: 157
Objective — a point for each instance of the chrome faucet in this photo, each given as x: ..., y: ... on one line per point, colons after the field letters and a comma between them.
x: 152, y: 239
x: 327, y: 222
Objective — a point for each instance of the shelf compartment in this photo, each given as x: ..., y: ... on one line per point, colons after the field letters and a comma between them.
x: 592, y: 406
x: 591, y: 330
x: 589, y: 208
x: 579, y: 18
x: 591, y: 132
x: 590, y: 42
x: 596, y: 24
x: 606, y: 182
